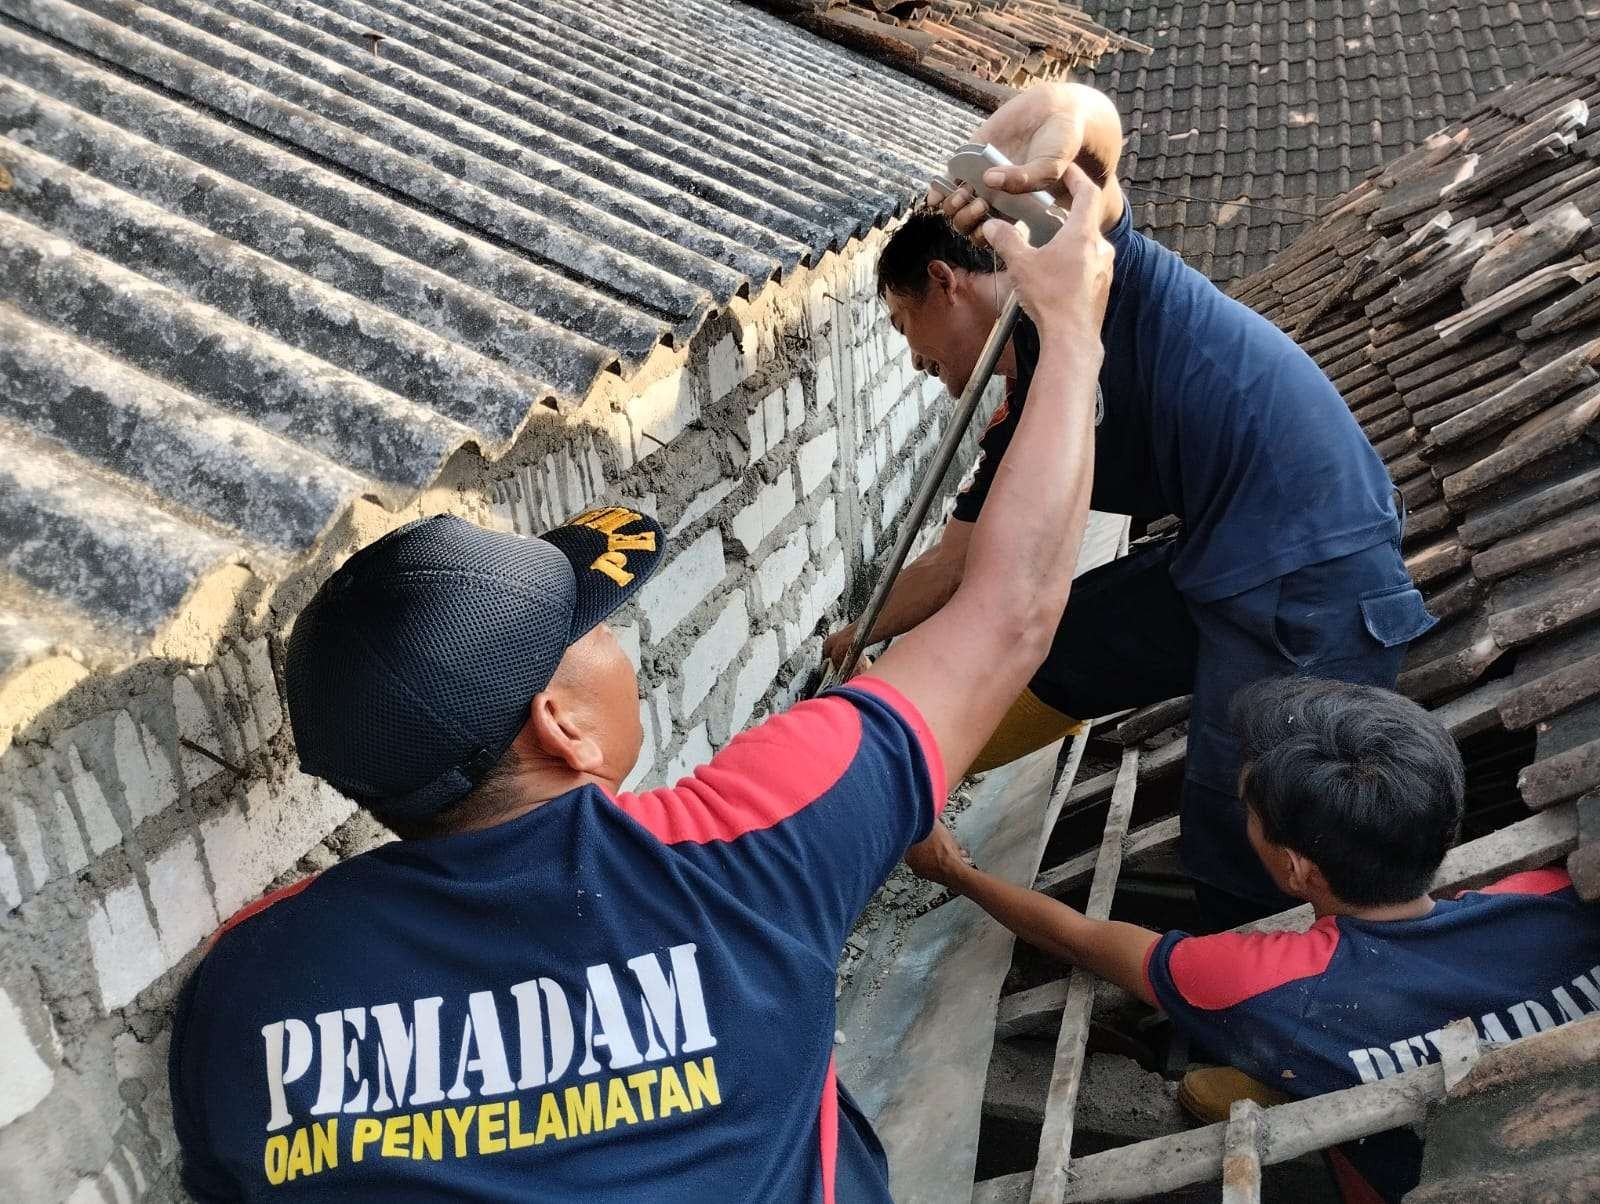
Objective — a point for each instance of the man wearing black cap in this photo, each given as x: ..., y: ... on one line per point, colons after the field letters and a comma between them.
x: 550, y: 990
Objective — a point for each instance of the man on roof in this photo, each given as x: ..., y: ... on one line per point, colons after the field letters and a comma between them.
x: 1288, y: 557
x: 548, y: 989
x: 1353, y: 796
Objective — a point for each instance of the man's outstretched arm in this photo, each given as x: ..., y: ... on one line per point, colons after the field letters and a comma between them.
x: 963, y: 667
x: 922, y: 587
x: 1110, y: 949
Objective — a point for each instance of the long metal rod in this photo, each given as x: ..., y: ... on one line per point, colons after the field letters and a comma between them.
x: 928, y: 488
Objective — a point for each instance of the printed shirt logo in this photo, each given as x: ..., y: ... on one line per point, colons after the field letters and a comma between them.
x: 607, y: 520
x: 379, y: 1074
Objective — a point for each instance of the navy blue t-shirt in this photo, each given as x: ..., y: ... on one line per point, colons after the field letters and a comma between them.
x: 1353, y: 1001
x: 606, y: 999
x: 1213, y: 414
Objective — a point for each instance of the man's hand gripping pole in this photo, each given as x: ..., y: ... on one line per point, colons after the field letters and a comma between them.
x: 1037, y: 213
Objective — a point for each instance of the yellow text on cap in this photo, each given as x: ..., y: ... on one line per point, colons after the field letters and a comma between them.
x: 613, y: 562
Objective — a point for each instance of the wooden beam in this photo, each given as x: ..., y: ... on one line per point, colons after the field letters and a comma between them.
x: 1147, y: 1168
x: 1055, y: 1138
x: 1243, y: 1146
x: 1551, y: 694
x: 1563, y: 776
x: 1074, y: 873
x: 1147, y: 721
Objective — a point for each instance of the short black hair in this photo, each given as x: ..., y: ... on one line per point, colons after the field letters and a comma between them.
x: 922, y: 238
x: 1361, y: 781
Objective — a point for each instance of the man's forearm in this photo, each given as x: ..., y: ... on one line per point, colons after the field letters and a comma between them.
x: 1110, y: 949
x: 923, y: 587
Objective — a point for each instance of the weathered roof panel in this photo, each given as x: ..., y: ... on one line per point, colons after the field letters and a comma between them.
x: 265, y: 258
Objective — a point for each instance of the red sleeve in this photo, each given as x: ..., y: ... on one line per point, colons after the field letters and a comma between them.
x: 907, y: 710
x: 1222, y: 971
x: 1530, y: 882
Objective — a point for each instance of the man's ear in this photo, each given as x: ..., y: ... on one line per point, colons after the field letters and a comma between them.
x: 942, y: 277
x: 557, y: 735
x: 1305, y: 879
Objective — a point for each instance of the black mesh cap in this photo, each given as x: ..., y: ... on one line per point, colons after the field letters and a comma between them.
x: 410, y: 671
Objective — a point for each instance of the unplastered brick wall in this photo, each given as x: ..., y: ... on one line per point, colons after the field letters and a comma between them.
x: 143, y: 807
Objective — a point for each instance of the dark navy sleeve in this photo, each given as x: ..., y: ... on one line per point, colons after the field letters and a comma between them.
x: 805, y: 815
x: 203, y: 1177
x: 1241, y: 996
x: 992, y: 445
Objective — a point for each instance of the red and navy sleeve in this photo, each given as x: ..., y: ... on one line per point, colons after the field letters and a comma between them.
x: 805, y: 815
x: 1240, y: 996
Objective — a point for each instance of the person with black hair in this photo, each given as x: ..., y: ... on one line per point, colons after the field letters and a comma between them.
x: 1288, y: 559
x: 1353, y: 796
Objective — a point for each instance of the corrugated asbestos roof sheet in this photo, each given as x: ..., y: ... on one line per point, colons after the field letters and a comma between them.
x: 1454, y: 299
x: 979, y: 50
x: 263, y: 258
x: 1289, y: 104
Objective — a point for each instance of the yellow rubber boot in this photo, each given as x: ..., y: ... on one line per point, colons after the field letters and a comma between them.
x: 1029, y: 725
x: 1207, y: 1093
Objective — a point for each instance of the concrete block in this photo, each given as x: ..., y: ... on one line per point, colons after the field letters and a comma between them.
x: 762, y: 515
x: 826, y: 527
x: 73, y: 854
x: 218, y: 689
x: 31, y: 838
x: 662, y: 411
x: 712, y: 653
x: 779, y: 569
x: 628, y: 636
x: 696, y: 751
x: 756, y: 432
x: 246, y: 849
x: 902, y: 421
x: 10, y: 887
x: 88, y: 1192
x: 794, y: 405
x: 149, y: 778
x: 869, y: 544
x: 682, y: 584
x: 112, y: 1177
x: 827, y: 381
x: 816, y: 459
x: 196, y: 726
x: 772, y: 417
x: 237, y: 689
x: 866, y: 469
x: 754, y: 679
x: 826, y: 589
x: 616, y: 429
x: 897, y: 493
x: 99, y: 825
x: 882, y: 398
x: 703, y: 504
x: 123, y: 946
x: 26, y: 1070
x: 725, y: 367
x: 639, y: 777
x: 185, y: 914
x: 933, y: 391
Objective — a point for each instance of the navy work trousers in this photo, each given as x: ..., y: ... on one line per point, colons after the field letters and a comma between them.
x: 1130, y: 638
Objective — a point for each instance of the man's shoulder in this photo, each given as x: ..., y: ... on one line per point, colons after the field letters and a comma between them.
x: 1230, y: 968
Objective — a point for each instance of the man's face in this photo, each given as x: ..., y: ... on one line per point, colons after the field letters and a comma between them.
x: 598, y: 682
x: 947, y: 325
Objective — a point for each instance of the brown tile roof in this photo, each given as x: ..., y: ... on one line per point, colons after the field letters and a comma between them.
x: 1455, y: 301
x: 979, y: 50
x: 1287, y: 105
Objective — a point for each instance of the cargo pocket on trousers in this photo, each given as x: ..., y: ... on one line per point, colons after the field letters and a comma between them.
x: 1396, y: 615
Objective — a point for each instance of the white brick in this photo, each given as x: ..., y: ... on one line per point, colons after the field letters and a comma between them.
x: 185, y: 914
x: 681, y: 585
x: 826, y: 526
x: 119, y: 1189
x: 219, y: 689
x: 824, y: 592
x: 238, y: 689
x: 896, y: 493
x: 640, y: 773
x: 10, y: 888
x: 702, y: 505
x: 99, y: 824
x: 712, y: 653
x: 902, y: 421
x: 628, y: 636
x: 73, y: 855
x: 27, y: 1077
x: 132, y: 1159
x: 87, y: 1192
x: 869, y: 545
x: 794, y: 405
x: 696, y: 751
x: 662, y: 411
x: 725, y: 368
x: 245, y: 850
x: 756, y: 430
x: 123, y: 945
x: 771, y: 505
x: 866, y: 470
x: 884, y: 395
x: 827, y: 382
x: 754, y: 679
x: 772, y: 417
x: 816, y: 460
x: 933, y: 391
x: 779, y: 569
x: 618, y: 433
x: 149, y: 780
x: 32, y: 841
x: 195, y: 725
